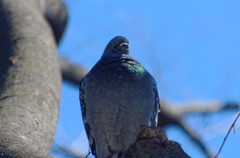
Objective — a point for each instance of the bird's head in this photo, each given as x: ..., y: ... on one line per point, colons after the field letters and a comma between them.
x: 118, y: 45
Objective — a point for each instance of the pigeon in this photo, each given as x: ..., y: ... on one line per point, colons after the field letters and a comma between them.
x: 117, y: 96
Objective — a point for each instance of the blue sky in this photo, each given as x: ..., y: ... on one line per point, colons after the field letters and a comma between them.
x: 192, y: 48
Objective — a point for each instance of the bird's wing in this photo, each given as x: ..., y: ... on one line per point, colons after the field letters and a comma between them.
x: 86, y: 124
x: 157, y: 105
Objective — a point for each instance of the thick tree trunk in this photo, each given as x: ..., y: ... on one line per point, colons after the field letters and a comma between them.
x: 30, y: 80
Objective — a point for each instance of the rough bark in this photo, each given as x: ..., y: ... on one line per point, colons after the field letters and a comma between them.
x: 30, y: 80
x: 152, y: 142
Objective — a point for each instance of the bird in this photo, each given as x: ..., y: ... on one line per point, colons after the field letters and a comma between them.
x: 117, y: 96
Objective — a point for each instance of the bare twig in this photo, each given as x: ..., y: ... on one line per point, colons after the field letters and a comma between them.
x: 232, y: 126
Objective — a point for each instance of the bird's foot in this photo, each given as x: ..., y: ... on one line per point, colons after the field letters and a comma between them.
x: 116, y: 155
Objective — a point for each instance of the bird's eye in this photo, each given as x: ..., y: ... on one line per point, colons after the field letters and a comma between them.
x: 110, y: 45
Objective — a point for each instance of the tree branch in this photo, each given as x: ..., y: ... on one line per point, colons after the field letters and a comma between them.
x: 57, y: 16
x: 70, y: 72
x: 200, y: 107
x: 196, y: 139
x: 153, y: 142
x: 173, y: 114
